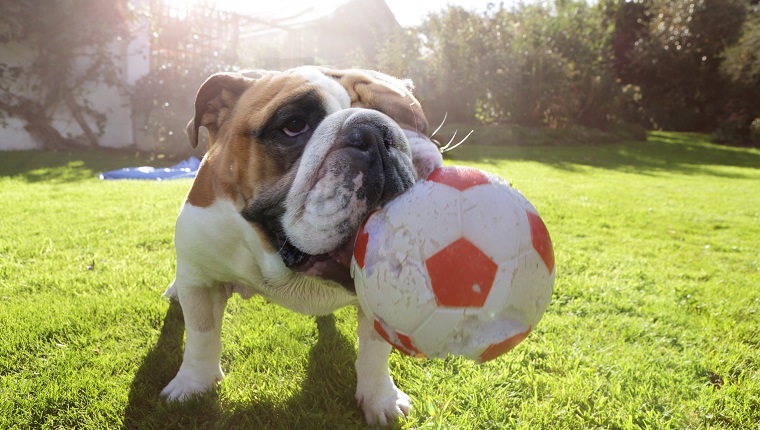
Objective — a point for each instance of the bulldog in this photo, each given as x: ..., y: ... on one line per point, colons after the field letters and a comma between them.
x: 296, y: 161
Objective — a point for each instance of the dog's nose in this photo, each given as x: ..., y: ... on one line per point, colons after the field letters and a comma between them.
x: 365, y: 136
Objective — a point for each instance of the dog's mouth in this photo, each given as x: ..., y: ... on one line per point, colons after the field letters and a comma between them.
x: 334, y: 265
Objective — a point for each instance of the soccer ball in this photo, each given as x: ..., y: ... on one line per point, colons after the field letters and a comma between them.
x: 460, y: 264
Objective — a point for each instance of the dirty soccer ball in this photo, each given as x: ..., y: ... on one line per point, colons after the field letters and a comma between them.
x: 460, y: 264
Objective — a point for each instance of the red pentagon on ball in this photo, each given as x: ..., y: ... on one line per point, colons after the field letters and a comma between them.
x: 411, y: 349
x: 461, y: 275
x: 405, y: 343
x: 384, y: 334
x: 459, y: 177
x: 542, y: 243
x: 361, y: 242
x: 360, y: 247
x: 503, y: 347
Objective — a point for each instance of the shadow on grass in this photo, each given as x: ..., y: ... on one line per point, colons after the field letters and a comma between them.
x: 68, y: 167
x: 663, y: 152
x: 325, y: 401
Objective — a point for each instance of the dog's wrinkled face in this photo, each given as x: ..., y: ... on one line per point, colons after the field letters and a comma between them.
x: 309, y: 153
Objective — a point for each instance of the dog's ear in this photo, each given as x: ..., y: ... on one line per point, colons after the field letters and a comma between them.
x: 192, y: 133
x: 214, y: 102
x: 391, y: 96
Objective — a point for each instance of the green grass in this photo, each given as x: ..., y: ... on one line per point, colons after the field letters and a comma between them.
x: 654, y: 322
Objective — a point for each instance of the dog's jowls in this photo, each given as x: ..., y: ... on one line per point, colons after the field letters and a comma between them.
x: 296, y: 161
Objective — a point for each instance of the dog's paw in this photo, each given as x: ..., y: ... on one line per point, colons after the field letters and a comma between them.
x: 383, y: 403
x: 188, y: 383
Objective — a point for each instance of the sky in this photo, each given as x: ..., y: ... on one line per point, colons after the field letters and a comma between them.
x: 407, y: 12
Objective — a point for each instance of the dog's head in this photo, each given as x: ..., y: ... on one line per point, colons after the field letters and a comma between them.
x: 307, y: 154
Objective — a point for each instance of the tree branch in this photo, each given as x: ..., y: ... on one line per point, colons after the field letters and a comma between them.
x: 80, y: 119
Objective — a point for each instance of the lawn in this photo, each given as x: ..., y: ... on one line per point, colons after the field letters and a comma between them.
x: 654, y: 322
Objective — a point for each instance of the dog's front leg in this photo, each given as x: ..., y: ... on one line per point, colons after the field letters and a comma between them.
x: 379, y: 398
x: 203, y: 309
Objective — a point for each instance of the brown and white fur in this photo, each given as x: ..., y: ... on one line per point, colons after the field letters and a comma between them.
x: 296, y: 161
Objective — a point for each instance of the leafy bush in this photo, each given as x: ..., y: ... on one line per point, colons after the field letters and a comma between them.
x: 628, y: 131
x: 754, y: 131
x: 738, y: 129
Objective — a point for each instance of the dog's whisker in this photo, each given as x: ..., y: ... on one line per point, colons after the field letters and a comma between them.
x: 443, y: 148
x: 445, y: 115
x: 282, y: 244
x: 447, y: 148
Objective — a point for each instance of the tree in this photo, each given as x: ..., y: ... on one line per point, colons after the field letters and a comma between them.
x: 162, y: 100
x: 536, y: 64
x: 673, y: 49
x: 742, y: 60
x: 62, y: 50
x: 400, y: 54
x: 558, y: 73
x: 458, y: 46
x: 741, y: 64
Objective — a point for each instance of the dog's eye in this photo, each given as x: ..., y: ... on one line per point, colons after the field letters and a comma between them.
x: 295, y: 126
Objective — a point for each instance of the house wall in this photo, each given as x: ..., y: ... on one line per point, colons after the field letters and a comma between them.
x: 12, y: 133
x: 133, y: 56
x: 111, y: 101
x: 13, y: 137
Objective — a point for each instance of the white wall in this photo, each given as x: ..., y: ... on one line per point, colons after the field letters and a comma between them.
x: 14, y: 137
x: 113, y: 102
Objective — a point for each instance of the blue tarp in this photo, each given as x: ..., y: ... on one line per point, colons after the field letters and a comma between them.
x: 184, y: 169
